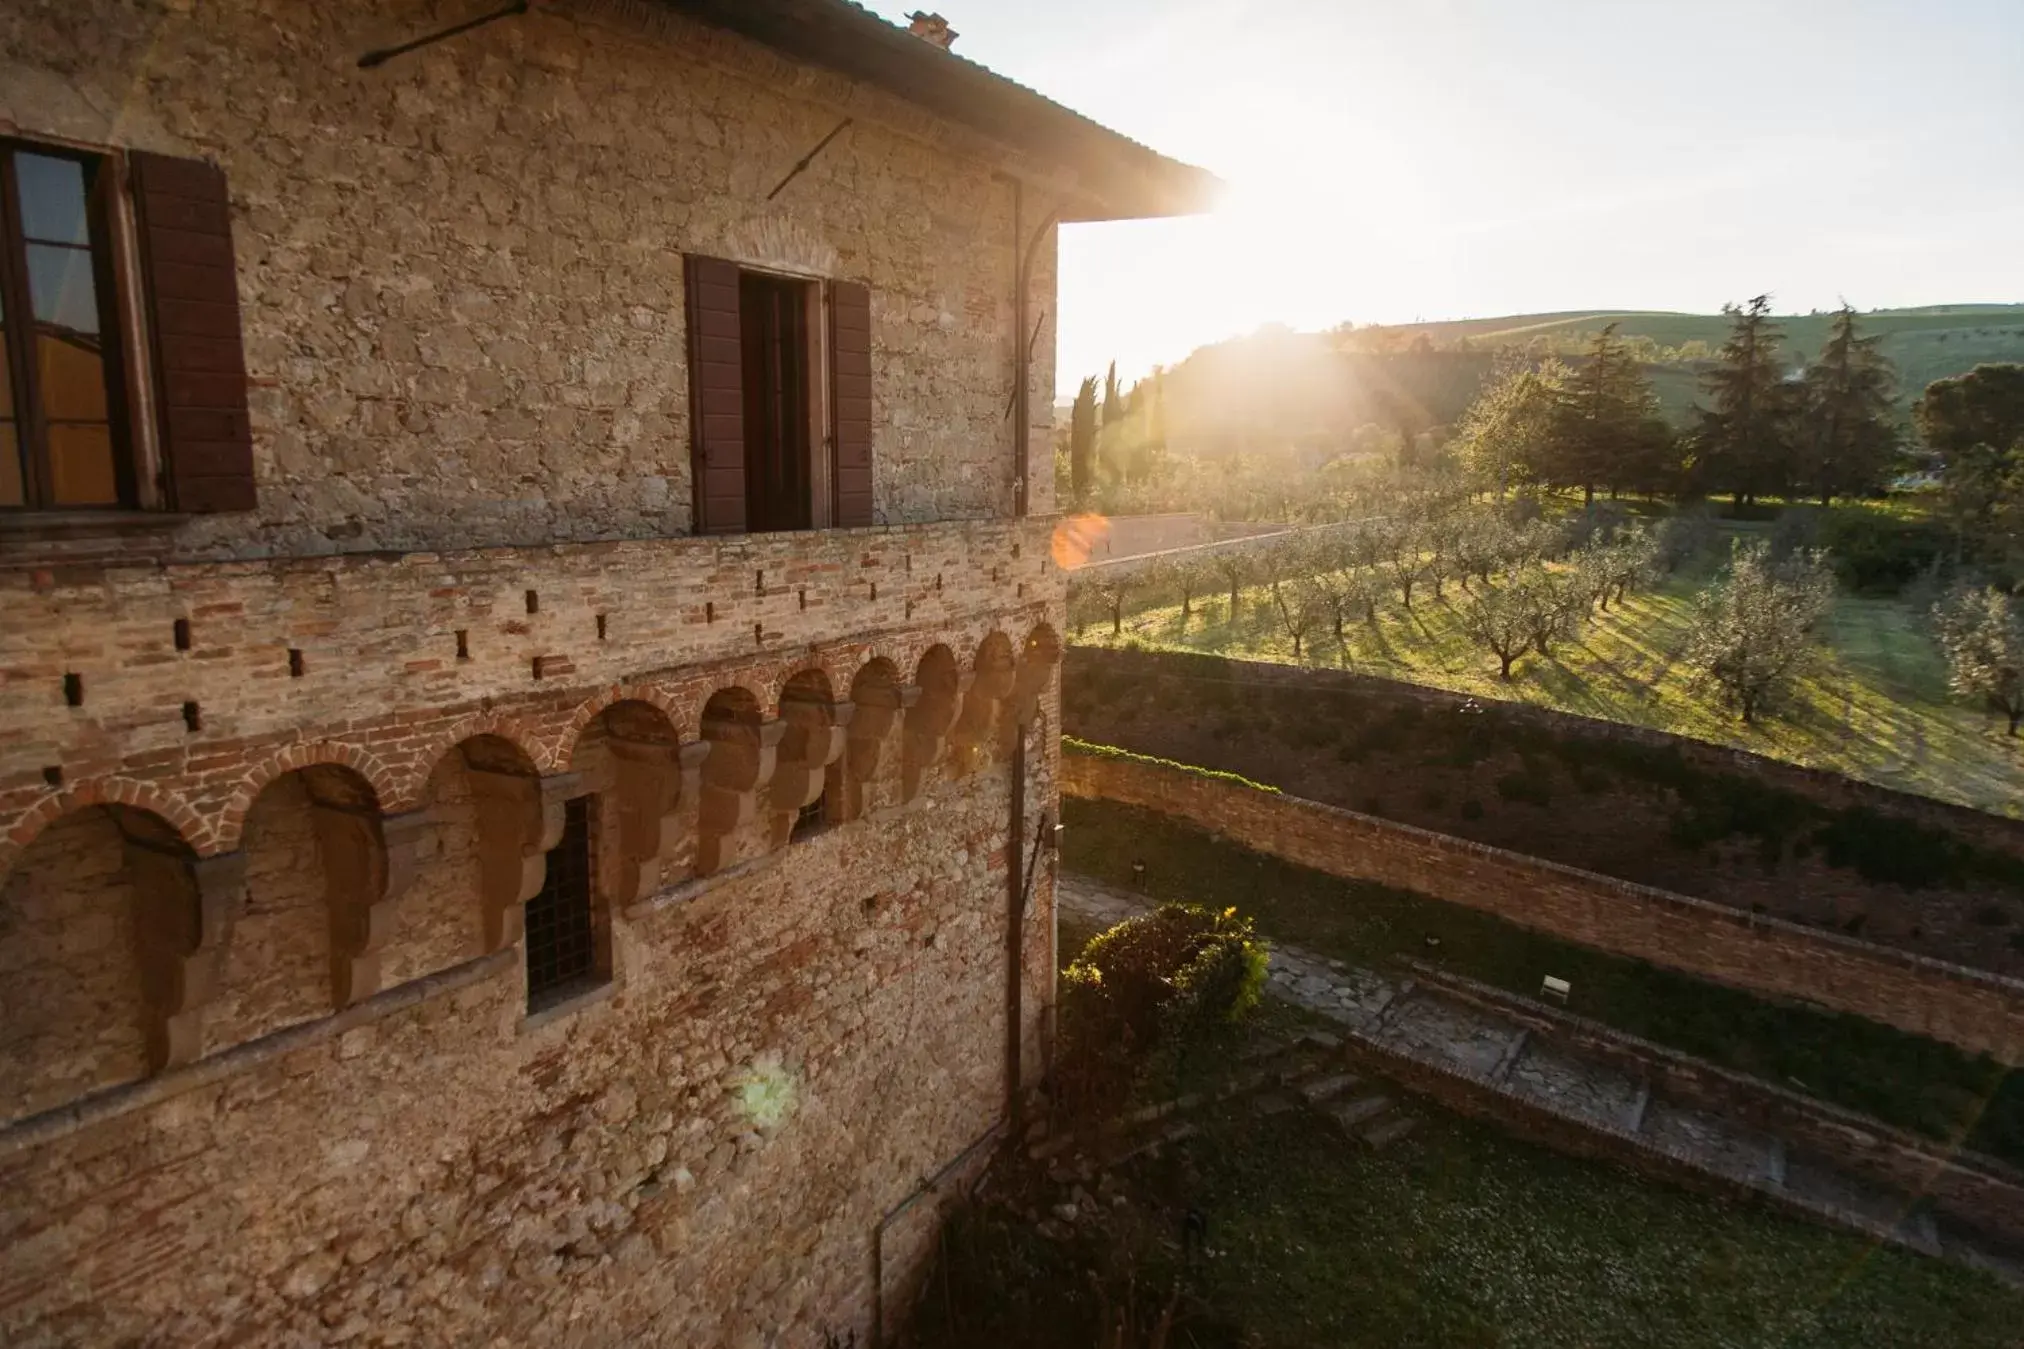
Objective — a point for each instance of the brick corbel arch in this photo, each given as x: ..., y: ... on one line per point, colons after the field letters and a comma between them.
x: 166, y: 806
x: 384, y: 782
x: 495, y: 724
x: 595, y: 706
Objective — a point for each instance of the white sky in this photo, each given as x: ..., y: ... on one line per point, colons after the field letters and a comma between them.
x: 1391, y: 160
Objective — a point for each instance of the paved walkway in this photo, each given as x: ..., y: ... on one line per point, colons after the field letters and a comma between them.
x: 1468, y: 1041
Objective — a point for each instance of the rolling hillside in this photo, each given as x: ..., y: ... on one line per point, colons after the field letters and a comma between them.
x: 1281, y: 386
x: 1927, y: 343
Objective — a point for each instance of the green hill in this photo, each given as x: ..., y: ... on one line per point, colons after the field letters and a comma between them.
x: 1928, y: 342
x: 1282, y: 386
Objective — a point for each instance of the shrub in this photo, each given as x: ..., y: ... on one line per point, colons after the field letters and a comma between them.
x: 1162, y: 982
x: 1876, y: 551
x: 1472, y: 809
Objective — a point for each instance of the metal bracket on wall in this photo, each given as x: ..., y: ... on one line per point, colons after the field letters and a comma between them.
x: 381, y: 55
x: 808, y: 158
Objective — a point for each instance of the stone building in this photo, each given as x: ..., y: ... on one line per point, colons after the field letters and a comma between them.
x: 527, y: 653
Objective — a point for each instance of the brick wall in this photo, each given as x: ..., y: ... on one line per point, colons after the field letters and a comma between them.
x: 383, y: 687
x: 1827, y: 788
x: 1969, y: 1008
x: 1665, y: 811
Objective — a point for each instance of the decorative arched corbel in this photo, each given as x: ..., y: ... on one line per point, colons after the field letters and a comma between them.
x: 928, y: 721
x: 520, y: 817
x: 880, y: 709
x: 368, y: 862
x: 811, y: 756
x: 740, y: 767
x: 975, y: 727
x: 1035, y: 671
x: 658, y: 785
x: 186, y: 906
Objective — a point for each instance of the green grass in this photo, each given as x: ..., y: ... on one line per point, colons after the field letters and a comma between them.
x: 1458, y: 1237
x: 1461, y: 1237
x: 1910, y: 1081
x: 1876, y: 708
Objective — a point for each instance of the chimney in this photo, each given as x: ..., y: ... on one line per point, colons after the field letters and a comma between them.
x: 932, y: 29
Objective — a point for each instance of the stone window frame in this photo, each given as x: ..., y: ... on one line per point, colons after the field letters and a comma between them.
x: 130, y: 397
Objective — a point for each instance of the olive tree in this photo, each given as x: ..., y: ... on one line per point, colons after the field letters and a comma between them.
x: 1498, y: 619
x: 1752, y: 634
x: 1982, y: 634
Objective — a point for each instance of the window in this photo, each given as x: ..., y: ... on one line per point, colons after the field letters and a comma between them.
x: 562, y: 937
x: 780, y: 399
x: 63, y: 435
x: 810, y: 819
x: 89, y: 241
x: 774, y: 326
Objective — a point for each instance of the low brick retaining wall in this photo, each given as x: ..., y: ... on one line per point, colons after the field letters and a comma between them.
x: 1979, y: 1190
x: 1978, y: 1011
x: 1826, y: 788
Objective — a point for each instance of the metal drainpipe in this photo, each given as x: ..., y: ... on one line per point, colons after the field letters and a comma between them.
x: 1015, y: 934
x: 1015, y: 833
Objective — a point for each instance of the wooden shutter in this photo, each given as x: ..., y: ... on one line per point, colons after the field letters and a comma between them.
x: 716, y: 396
x: 850, y: 395
x: 185, y: 230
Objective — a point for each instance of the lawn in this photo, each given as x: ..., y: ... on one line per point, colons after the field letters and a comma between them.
x: 1911, y: 1081
x: 1876, y: 708
x: 1455, y: 1238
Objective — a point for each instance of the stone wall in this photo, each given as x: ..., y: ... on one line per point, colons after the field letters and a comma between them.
x: 434, y: 1166
x: 461, y: 272
x: 1978, y: 1011
x: 1665, y: 811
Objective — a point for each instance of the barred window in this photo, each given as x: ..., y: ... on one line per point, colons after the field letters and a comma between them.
x: 562, y: 956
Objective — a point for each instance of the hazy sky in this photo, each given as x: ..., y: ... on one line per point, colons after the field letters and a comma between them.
x: 1399, y: 159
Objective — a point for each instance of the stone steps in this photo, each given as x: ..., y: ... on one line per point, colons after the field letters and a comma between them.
x: 1482, y: 1049
x: 1362, y: 1110
x: 1389, y: 1130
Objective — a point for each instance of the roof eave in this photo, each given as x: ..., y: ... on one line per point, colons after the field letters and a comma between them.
x: 1116, y: 178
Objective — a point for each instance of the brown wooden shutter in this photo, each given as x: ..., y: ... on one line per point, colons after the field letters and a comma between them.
x: 185, y: 229
x: 850, y: 392
x: 716, y: 396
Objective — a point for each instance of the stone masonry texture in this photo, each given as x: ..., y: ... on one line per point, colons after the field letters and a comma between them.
x: 274, y: 785
x: 461, y: 273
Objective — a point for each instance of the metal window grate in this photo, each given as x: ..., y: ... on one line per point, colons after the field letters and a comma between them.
x: 809, y: 818
x: 561, y: 938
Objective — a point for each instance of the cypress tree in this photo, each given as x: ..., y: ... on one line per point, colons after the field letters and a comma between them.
x: 1599, y: 426
x: 1850, y: 435
x: 1744, y: 440
x: 1082, y: 439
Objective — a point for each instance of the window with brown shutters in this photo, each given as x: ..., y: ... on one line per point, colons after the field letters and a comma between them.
x: 716, y: 396
x: 185, y: 231
x: 850, y: 400
x: 780, y: 399
x: 69, y: 437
